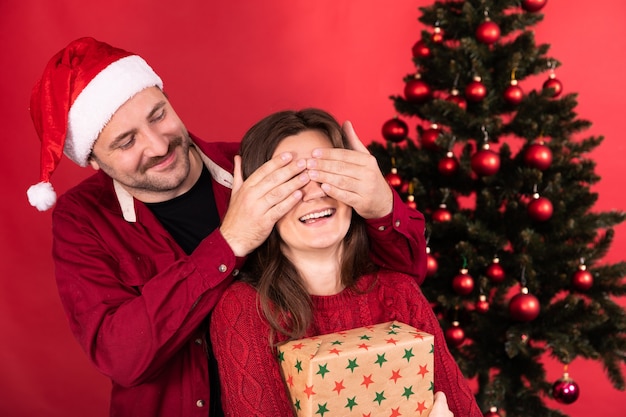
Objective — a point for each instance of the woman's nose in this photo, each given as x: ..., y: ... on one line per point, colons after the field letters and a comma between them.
x: 312, y: 191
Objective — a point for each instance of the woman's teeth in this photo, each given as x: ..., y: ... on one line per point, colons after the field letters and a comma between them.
x: 318, y: 215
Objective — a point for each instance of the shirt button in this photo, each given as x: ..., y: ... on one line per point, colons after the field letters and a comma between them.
x: 200, y: 403
x: 397, y: 223
x: 198, y: 341
x: 222, y: 268
x: 235, y: 272
x: 381, y: 228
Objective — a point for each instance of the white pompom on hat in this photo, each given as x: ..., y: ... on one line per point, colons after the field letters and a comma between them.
x: 81, y: 88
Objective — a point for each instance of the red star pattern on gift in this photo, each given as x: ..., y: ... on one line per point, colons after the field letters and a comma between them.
x: 339, y: 386
x: 395, y: 375
x: 335, y: 351
x: 392, y: 341
x: 367, y: 380
x: 421, y: 407
x: 386, y: 353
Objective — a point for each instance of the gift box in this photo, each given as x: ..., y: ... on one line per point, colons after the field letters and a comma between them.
x: 380, y: 370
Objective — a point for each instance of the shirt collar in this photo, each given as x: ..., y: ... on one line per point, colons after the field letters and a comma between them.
x: 127, y: 201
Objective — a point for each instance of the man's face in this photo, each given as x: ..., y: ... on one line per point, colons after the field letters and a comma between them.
x: 145, y: 147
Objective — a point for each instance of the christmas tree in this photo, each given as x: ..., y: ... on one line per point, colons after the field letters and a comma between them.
x: 502, y: 174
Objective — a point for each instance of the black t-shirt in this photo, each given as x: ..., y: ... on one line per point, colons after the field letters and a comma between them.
x: 189, y: 218
x: 192, y: 216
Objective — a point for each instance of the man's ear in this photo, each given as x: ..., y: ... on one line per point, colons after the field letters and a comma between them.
x: 93, y: 163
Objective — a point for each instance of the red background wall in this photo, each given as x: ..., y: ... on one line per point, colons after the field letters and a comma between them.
x: 225, y: 64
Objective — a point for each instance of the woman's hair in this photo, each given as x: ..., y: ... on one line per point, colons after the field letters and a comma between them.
x: 283, y: 297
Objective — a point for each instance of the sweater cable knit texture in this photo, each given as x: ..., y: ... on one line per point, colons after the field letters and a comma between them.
x: 250, y: 373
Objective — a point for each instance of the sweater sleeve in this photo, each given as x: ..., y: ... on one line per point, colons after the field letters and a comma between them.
x: 414, y: 309
x: 250, y: 376
x: 397, y: 240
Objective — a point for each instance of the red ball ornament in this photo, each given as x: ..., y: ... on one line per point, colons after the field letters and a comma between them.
x: 485, y: 162
x: 495, y: 272
x: 538, y: 156
x: 448, y: 165
x: 475, y: 91
x: 441, y: 214
x: 553, y: 83
x: 540, y: 208
x: 493, y: 412
x: 395, y: 130
x: 437, y: 36
x: 463, y: 283
x: 410, y: 202
x: 565, y: 390
x: 420, y: 50
x: 455, y: 98
x: 429, y: 137
x: 482, y: 305
x: 533, y: 5
x: 454, y: 334
x: 513, y: 93
x: 416, y: 91
x: 394, y: 179
x: 582, y: 279
x: 488, y: 32
x: 524, y: 306
x: 431, y: 263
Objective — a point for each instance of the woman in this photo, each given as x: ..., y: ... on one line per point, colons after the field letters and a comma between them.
x: 312, y: 276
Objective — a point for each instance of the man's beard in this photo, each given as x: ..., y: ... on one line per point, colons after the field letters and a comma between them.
x: 165, y: 182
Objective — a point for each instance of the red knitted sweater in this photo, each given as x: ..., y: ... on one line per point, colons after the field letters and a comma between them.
x: 250, y: 374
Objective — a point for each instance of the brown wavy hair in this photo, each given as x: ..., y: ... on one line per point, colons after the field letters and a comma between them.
x: 283, y: 297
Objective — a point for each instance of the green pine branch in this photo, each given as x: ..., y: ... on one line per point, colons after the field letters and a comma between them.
x: 490, y: 215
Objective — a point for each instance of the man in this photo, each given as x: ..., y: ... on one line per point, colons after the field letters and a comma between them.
x: 144, y: 248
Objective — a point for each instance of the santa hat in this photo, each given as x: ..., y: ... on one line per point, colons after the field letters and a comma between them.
x: 81, y: 88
